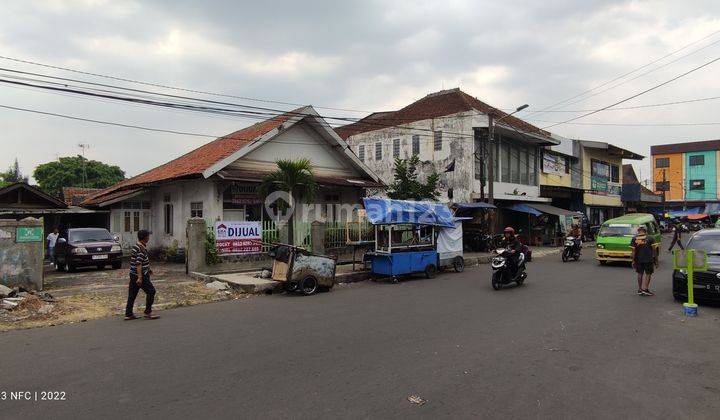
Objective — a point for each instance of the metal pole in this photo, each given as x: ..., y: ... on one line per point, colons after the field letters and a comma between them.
x: 690, y: 258
x: 491, y: 173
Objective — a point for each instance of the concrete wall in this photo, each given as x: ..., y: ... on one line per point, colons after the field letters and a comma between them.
x: 595, y: 199
x: 21, y: 263
x: 457, y: 145
x: 673, y: 174
x: 706, y: 172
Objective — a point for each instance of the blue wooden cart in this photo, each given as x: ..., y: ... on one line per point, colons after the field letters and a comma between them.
x: 405, y: 240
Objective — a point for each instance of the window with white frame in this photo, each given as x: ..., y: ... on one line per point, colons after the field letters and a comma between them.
x: 361, y: 152
x: 196, y: 209
x: 416, y: 144
x: 378, y: 151
x: 396, y: 148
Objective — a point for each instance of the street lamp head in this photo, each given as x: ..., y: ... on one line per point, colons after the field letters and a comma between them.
x: 521, y: 107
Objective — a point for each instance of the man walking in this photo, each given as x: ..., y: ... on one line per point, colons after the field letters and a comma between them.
x: 51, y: 241
x: 644, y: 260
x: 677, y: 237
x: 140, y: 277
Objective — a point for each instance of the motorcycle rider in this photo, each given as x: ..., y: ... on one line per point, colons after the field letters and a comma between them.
x: 514, y: 247
x: 576, y: 234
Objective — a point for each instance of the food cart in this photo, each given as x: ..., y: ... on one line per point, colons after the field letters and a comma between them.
x: 405, y: 237
x: 302, y: 271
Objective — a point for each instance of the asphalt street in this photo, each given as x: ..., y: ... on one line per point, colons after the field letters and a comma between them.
x: 574, y: 342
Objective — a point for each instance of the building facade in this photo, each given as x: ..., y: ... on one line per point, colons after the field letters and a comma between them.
x: 687, y: 173
x: 449, y: 132
x: 602, y: 178
x: 219, y: 180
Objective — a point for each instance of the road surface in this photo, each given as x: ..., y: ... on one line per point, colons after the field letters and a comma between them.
x: 575, y: 341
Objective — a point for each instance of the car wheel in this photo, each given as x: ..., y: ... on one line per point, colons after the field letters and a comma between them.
x: 309, y: 286
x: 459, y: 264
x: 430, y: 271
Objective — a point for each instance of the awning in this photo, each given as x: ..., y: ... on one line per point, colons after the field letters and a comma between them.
x: 698, y: 216
x: 557, y: 211
x: 382, y: 211
x: 685, y: 213
x: 712, y: 208
x: 524, y: 208
x: 478, y: 205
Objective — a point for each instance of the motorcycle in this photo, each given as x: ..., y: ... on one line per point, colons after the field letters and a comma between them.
x: 572, y: 250
x: 502, y: 274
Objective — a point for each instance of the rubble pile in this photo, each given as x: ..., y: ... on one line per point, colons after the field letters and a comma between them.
x: 20, y: 299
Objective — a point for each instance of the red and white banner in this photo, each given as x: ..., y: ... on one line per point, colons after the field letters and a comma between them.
x: 233, y: 238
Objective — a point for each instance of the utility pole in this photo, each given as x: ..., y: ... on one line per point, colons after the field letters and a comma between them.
x: 480, y: 159
x: 491, y: 156
x: 664, y: 198
x: 82, y: 147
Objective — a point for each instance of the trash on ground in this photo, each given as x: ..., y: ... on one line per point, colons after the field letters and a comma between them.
x: 416, y: 400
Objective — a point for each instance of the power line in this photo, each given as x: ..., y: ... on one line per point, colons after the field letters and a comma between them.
x: 622, y: 108
x: 641, y: 74
x: 634, y: 124
x: 635, y: 95
x: 625, y: 74
x: 202, y: 92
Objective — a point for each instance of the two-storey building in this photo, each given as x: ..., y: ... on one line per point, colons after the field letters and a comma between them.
x: 448, y: 131
x: 687, y: 174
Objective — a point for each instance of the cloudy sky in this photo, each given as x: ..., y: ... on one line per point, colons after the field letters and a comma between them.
x: 365, y: 56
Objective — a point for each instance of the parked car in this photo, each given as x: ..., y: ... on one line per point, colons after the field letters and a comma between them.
x: 85, y: 247
x: 706, y: 283
x: 615, y: 236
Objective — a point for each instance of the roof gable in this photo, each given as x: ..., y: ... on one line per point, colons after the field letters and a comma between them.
x: 212, y: 157
x: 23, y: 196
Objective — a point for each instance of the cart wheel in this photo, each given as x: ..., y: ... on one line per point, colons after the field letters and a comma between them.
x: 459, y: 264
x: 430, y: 271
x: 309, y: 286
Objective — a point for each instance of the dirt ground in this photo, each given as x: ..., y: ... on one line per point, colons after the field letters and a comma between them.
x: 92, y: 293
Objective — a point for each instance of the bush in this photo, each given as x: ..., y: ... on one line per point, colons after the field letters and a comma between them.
x: 211, y: 254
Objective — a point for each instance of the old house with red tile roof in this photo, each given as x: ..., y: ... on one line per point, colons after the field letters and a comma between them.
x: 448, y: 131
x: 219, y: 180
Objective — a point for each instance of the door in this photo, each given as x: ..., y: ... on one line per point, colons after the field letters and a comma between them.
x: 132, y: 222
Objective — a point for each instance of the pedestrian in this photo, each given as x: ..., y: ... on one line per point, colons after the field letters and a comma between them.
x: 644, y: 260
x: 51, y: 240
x: 140, y: 273
x: 677, y: 237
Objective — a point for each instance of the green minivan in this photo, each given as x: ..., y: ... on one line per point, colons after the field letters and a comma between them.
x: 615, y: 235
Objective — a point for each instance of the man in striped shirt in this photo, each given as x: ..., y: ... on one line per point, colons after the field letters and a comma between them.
x: 140, y: 277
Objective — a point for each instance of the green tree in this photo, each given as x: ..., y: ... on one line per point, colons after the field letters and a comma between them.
x: 76, y: 171
x: 296, y: 178
x: 12, y: 175
x: 406, y: 185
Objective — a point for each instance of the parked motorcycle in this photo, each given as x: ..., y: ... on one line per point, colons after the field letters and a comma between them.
x: 502, y: 274
x: 572, y: 250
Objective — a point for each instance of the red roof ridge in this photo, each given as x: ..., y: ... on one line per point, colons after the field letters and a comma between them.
x: 434, y: 105
x: 193, y: 163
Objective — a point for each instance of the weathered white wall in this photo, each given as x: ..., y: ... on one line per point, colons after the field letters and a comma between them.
x: 299, y: 141
x: 458, y: 144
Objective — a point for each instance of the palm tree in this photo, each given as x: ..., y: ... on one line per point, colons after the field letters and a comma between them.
x: 296, y: 178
